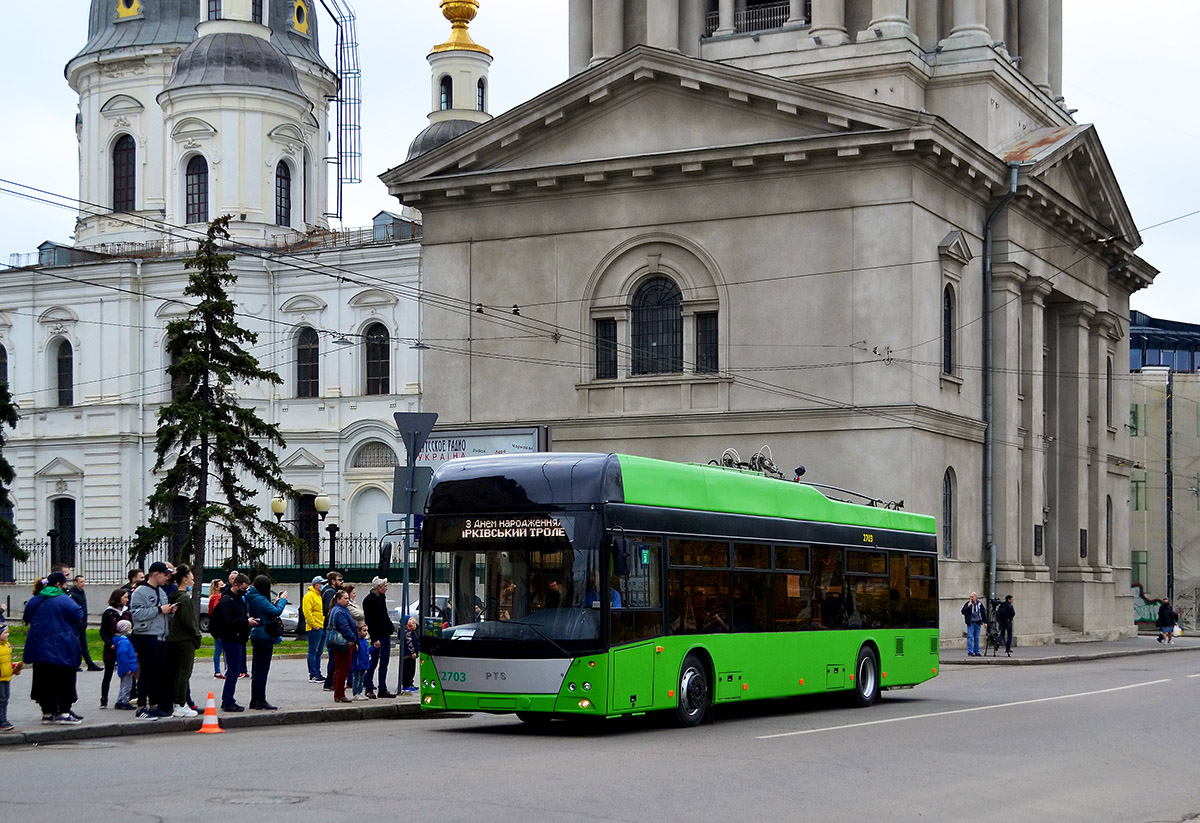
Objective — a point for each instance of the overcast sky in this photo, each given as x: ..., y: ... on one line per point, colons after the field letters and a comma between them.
x: 1127, y: 68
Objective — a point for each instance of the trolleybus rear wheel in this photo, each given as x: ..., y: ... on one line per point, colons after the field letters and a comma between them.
x: 693, y: 692
x: 866, y: 678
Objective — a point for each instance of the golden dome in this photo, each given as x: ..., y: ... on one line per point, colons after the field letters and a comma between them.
x: 460, y: 13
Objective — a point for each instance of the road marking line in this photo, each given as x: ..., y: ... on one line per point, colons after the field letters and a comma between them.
x: 1193, y: 675
x: 965, y: 711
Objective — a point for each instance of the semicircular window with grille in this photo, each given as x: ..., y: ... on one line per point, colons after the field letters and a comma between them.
x: 374, y: 455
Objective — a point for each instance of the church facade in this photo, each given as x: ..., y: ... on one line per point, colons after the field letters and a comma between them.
x: 868, y: 235
x: 189, y: 111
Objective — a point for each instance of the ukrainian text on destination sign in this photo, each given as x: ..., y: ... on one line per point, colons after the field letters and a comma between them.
x: 512, y: 527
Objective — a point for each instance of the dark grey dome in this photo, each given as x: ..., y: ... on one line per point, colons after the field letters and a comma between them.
x: 234, y: 60
x: 165, y: 22
x: 162, y: 22
x: 438, y: 134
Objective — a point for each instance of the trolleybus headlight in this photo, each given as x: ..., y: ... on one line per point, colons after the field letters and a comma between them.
x: 571, y: 687
x: 587, y: 687
x: 585, y: 704
x: 428, y: 699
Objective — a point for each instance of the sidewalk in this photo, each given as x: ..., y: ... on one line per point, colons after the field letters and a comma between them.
x: 299, y: 701
x: 1071, y: 652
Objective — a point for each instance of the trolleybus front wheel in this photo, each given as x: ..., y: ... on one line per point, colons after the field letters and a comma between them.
x: 866, y: 678
x: 693, y: 692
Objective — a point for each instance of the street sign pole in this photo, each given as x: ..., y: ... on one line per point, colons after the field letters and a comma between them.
x: 414, y: 430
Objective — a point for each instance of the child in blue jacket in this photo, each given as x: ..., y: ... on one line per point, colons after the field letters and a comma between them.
x: 127, y: 663
x: 360, y: 664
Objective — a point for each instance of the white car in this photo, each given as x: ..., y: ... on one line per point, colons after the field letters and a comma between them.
x: 290, y: 616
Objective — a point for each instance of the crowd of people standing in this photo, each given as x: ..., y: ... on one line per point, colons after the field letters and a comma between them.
x: 150, y: 636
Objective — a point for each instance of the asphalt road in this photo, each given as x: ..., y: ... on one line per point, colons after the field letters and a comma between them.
x: 1110, y: 740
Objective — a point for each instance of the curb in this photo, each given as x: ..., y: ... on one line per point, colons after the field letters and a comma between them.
x: 135, y: 728
x: 1061, y: 658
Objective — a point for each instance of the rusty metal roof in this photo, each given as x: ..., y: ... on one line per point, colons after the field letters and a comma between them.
x: 1034, y: 146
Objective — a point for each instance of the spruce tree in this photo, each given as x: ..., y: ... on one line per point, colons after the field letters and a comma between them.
x: 208, y: 442
x: 8, y: 532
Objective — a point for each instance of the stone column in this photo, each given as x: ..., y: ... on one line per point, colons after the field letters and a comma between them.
x: 608, y: 30
x: 1054, y: 41
x: 997, y: 23
x: 1033, y: 408
x: 828, y: 24
x: 691, y: 28
x: 889, y: 18
x: 662, y: 24
x: 1034, y: 41
x: 795, y: 12
x: 724, y: 17
x: 1008, y: 491
x: 970, y: 26
x: 1072, y: 492
x: 580, y: 44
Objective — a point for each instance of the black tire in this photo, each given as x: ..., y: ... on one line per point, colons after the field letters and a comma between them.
x: 204, y: 623
x: 866, y: 678
x: 694, y: 697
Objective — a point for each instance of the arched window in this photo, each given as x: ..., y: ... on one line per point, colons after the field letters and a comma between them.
x: 180, y: 525
x: 479, y: 95
x: 3, y: 365
x: 308, y: 524
x: 447, y: 93
x: 124, y: 174
x: 63, y: 516
x: 948, y: 330
x: 308, y: 367
x: 1108, y: 529
x: 178, y: 381
x: 196, y: 185
x: 657, y: 328
x: 374, y: 455
x: 1108, y: 394
x: 65, y: 370
x: 283, y: 194
x: 256, y: 11
x: 948, y: 514
x: 376, y: 353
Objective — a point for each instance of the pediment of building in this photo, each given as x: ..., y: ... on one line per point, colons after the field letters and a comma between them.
x: 58, y: 467
x: 57, y: 316
x: 1071, y: 161
x: 372, y: 298
x: 303, y: 304
x: 121, y: 104
x: 192, y: 127
x: 643, y: 105
x: 172, y: 308
x: 302, y: 460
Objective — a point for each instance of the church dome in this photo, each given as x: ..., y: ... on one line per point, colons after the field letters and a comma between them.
x: 437, y: 134
x: 115, y: 24
x: 228, y: 59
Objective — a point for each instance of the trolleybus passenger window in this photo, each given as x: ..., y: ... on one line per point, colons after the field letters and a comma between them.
x: 829, y: 607
x: 752, y: 556
x: 640, y: 615
x: 751, y: 601
x: 794, y: 608
x: 791, y: 557
x: 711, y: 554
x: 699, y: 601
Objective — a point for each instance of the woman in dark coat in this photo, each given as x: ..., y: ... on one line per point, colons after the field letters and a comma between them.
x: 118, y: 610
x: 258, y: 604
x: 52, y: 648
x: 183, y: 640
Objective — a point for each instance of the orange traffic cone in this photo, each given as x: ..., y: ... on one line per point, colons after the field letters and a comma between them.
x: 210, y: 725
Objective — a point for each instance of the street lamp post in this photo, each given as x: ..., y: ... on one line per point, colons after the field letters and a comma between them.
x: 321, y: 507
x: 332, y: 528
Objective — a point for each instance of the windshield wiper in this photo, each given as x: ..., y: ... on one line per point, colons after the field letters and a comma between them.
x: 540, y: 634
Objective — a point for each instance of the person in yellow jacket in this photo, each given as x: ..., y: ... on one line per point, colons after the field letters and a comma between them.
x: 313, y: 611
x: 7, y: 669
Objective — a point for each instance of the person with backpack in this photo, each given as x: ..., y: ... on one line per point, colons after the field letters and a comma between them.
x: 232, y: 623
x: 1004, y: 616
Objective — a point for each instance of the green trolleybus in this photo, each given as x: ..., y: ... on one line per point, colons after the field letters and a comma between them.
x: 598, y: 585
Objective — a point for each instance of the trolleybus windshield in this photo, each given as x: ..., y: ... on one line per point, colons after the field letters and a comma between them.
x: 493, y: 581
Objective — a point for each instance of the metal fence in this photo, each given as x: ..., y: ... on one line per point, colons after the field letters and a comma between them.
x: 106, y: 561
